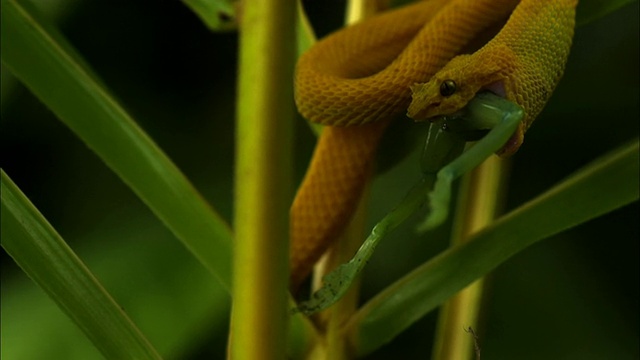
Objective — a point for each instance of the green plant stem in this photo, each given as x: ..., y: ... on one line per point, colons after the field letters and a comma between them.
x: 341, y: 252
x: 262, y: 186
x: 358, y: 10
x: 333, y: 319
x: 479, y: 200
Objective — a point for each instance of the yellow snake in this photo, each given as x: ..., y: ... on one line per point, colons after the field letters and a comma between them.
x: 414, y: 59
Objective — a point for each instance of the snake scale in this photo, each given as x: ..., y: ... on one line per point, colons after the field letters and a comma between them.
x: 424, y: 60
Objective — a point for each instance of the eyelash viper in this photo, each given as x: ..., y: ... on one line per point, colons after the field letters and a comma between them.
x: 360, y: 78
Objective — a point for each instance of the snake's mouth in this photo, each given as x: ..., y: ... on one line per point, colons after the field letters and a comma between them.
x: 458, y: 122
x: 468, y: 122
x: 433, y: 112
x: 496, y: 87
x: 427, y: 107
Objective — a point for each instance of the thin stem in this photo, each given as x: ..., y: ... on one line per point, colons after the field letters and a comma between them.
x: 358, y: 10
x: 478, y: 204
x: 263, y: 186
x: 341, y: 253
x: 349, y: 241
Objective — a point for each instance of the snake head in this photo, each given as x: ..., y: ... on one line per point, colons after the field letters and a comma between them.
x: 451, y: 88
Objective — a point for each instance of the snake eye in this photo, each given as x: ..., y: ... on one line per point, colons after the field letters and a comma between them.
x: 447, y: 88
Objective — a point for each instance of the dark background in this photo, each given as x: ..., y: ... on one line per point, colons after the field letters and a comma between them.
x: 573, y: 296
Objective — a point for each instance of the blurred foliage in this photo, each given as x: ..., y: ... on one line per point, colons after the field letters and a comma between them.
x: 573, y: 296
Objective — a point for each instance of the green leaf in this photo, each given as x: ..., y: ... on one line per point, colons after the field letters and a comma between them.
x: 66, y: 87
x: 305, y: 38
x: 146, y: 271
x: 591, y: 10
x: 218, y: 15
x: 603, y: 186
x: 45, y: 257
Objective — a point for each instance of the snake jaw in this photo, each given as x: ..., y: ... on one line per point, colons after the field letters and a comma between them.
x: 451, y: 89
x: 428, y: 103
x: 421, y: 101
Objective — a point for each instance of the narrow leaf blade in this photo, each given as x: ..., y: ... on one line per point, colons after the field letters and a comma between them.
x: 47, y: 259
x: 603, y: 186
x: 218, y: 15
x: 592, y: 10
x: 38, y: 59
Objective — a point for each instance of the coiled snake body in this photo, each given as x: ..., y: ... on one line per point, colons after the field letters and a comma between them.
x: 412, y: 60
